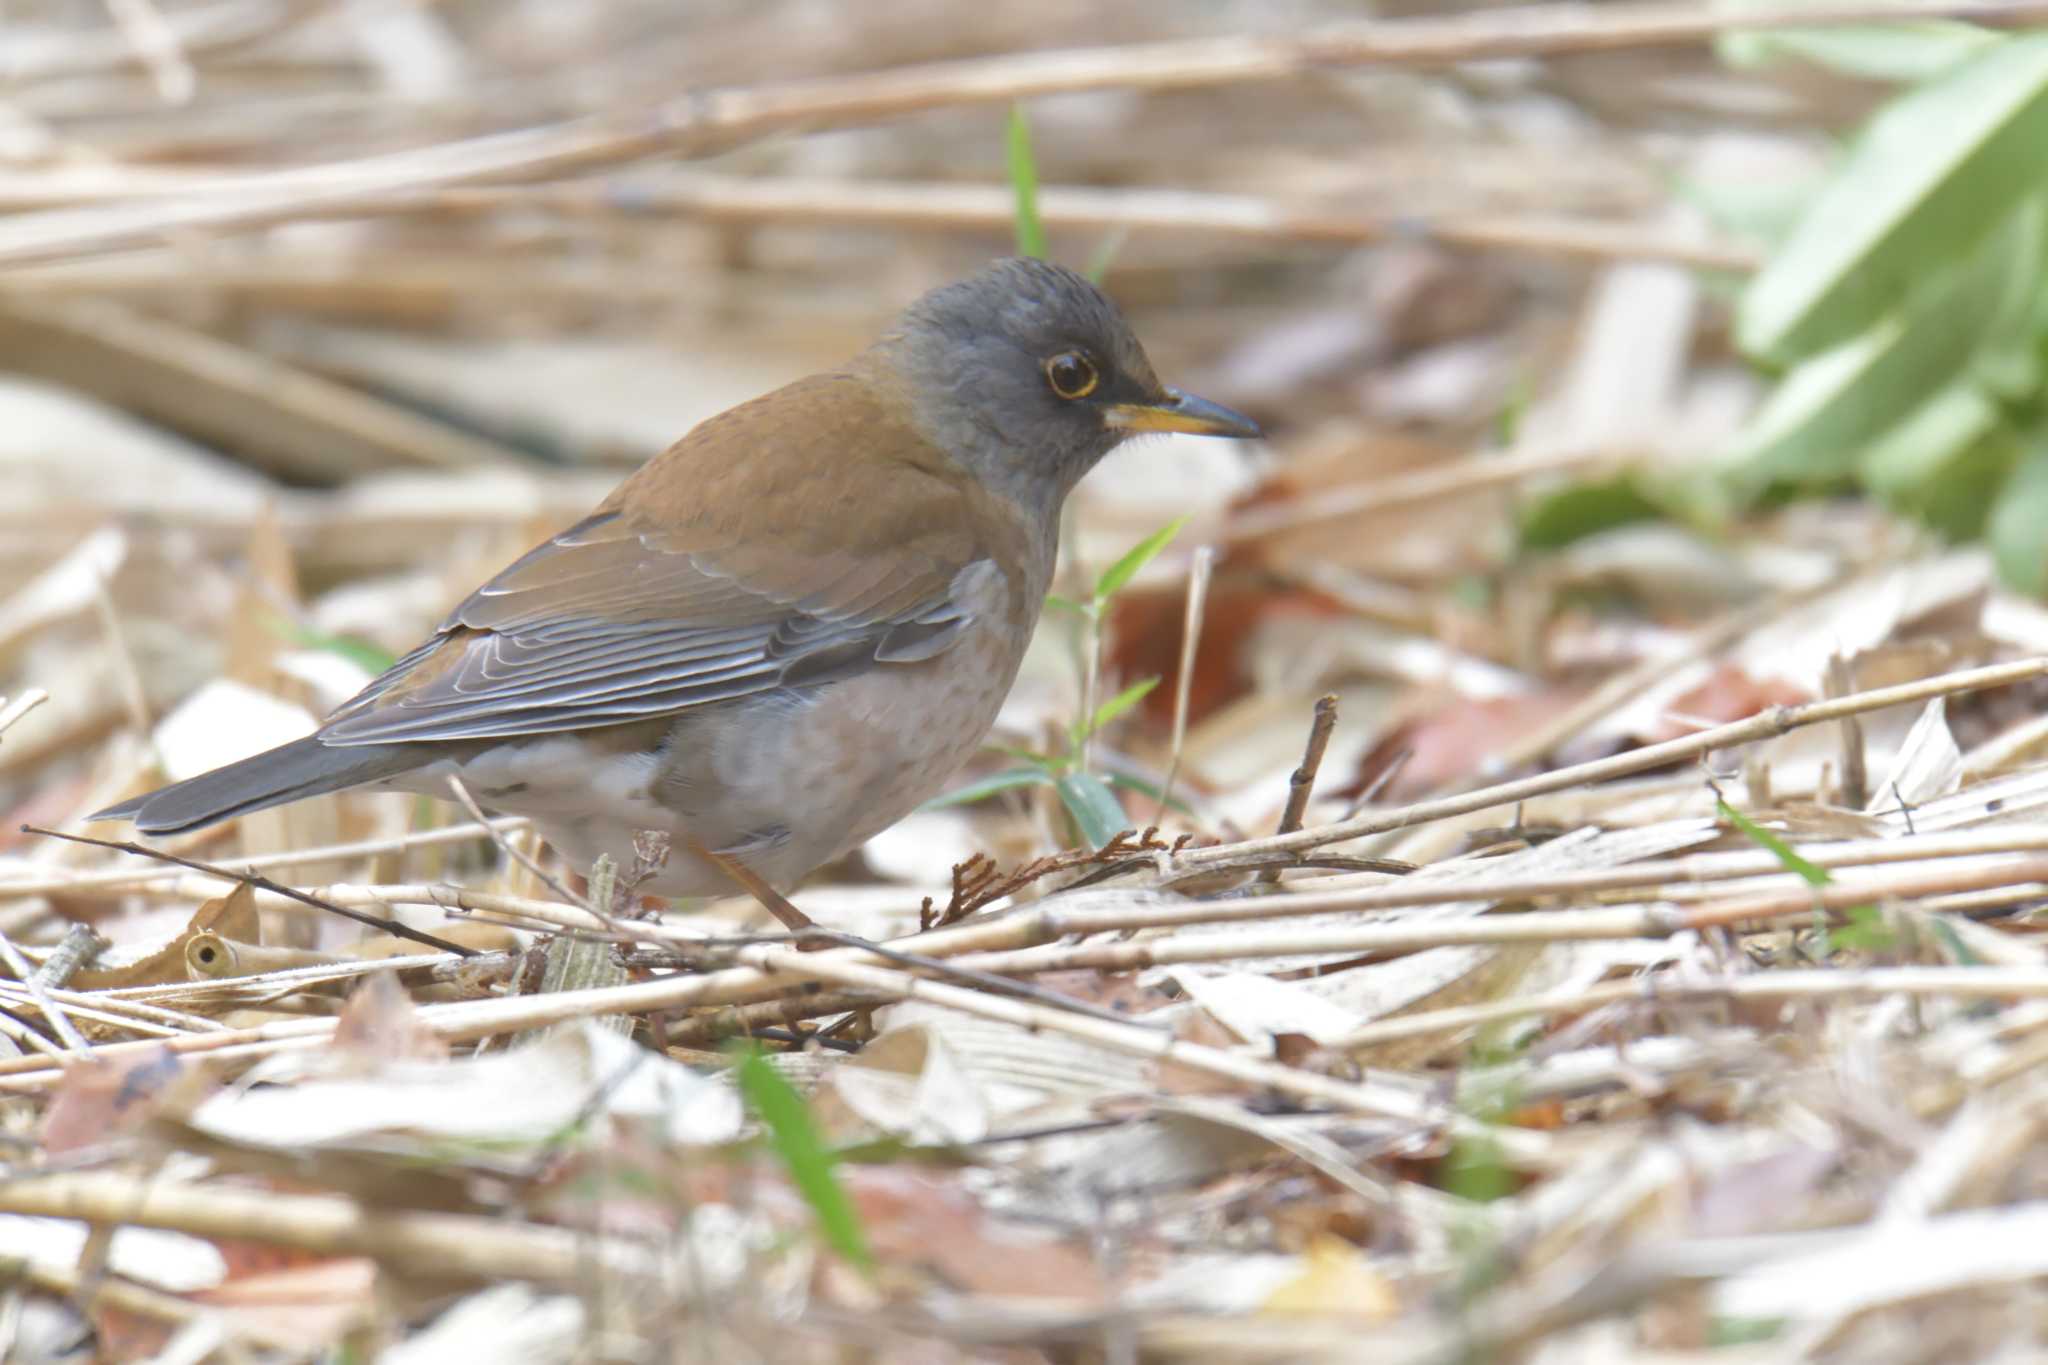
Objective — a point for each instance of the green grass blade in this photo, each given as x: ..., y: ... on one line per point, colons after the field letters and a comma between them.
x: 1812, y: 873
x: 1137, y: 557
x: 1106, y: 252
x: 1007, y: 780
x: 1125, y: 782
x: 1024, y: 184
x: 1120, y: 703
x: 794, y: 1136
x: 1055, y: 602
x: 370, y: 658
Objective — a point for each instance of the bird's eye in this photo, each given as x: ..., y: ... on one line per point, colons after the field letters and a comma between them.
x: 1071, y: 374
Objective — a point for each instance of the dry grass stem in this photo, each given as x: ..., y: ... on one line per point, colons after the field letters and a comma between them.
x: 1767, y: 724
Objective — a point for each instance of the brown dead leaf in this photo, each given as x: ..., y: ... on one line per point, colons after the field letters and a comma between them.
x: 915, y: 1217
x: 1454, y: 743
x: 1119, y: 991
x: 232, y: 917
x: 1145, y: 632
x: 379, y: 1024
x: 98, y: 1099
x: 122, y: 1336
x: 1198, y: 1026
x: 306, y: 1304
x: 1728, y: 694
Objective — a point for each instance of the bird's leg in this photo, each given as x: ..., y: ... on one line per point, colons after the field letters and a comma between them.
x: 773, y: 901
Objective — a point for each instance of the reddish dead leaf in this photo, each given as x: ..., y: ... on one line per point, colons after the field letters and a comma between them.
x: 1199, y: 1027
x: 309, y: 1305
x: 122, y: 1336
x: 915, y: 1217
x: 1308, y: 1208
x: 1728, y: 694
x: 1146, y: 624
x: 248, y: 1260
x: 1455, y: 742
x: 379, y: 1024
x: 1109, y: 990
x: 98, y: 1100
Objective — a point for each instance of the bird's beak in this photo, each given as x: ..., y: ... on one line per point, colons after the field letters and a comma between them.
x: 1181, y: 412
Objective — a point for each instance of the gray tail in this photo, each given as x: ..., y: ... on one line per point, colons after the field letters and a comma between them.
x: 290, y: 772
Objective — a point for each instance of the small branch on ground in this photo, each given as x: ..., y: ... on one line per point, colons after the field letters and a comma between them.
x: 1301, y: 785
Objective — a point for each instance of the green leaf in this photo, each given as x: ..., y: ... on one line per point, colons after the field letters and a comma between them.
x: 2008, y: 362
x: 794, y: 1135
x: 1024, y: 184
x: 1823, y: 415
x: 1126, y: 782
x: 1507, y: 423
x: 1046, y: 763
x: 1106, y: 252
x: 1961, y: 953
x: 1058, y: 603
x: 1118, y: 704
x: 1096, y: 811
x: 1759, y: 210
x: 1006, y: 780
x: 1866, y: 930
x: 1945, y: 463
x: 2018, y: 528
x: 366, y: 656
x: 1812, y: 873
x: 1934, y: 172
x: 1116, y: 575
x: 1726, y: 1331
x: 1906, y: 52
x: 1579, y: 510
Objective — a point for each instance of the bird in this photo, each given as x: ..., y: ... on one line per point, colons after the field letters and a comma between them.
x: 782, y: 634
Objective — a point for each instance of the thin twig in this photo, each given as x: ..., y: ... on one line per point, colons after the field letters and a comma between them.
x: 80, y: 945
x: 1200, y: 570
x: 443, y: 1244
x: 988, y: 981
x: 899, y: 205
x: 12, y: 711
x: 395, y: 927
x: 67, y: 1032
x: 156, y: 44
x: 704, y: 121
x: 1767, y: 724
x: 771, y: 900
x: 77, y: 883
x: 1302, y: 782
x: 1855, y: 779
x: 511, y: 850
x: 127, y: 673
x: 1668, y: 988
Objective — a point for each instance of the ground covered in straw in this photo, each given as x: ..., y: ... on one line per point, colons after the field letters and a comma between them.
x: 1621, y: 946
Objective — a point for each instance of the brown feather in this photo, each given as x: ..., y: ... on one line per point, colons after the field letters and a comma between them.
x: 798, y: 535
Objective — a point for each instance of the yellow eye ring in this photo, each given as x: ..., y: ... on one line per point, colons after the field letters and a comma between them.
x: 1072, y: 375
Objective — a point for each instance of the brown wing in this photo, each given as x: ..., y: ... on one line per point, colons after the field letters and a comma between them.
x: 732, y: 564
